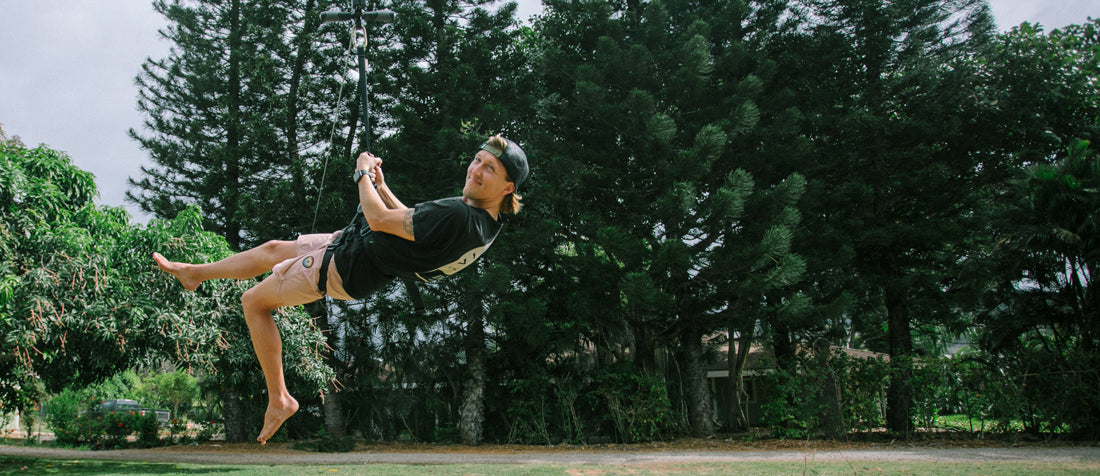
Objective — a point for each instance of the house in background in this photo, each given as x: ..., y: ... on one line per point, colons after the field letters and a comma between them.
x: 760, y: 363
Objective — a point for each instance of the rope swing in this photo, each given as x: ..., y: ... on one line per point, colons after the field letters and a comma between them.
x: 358, y: 17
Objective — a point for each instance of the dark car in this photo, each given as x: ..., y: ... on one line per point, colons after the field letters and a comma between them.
x: 164, y: 417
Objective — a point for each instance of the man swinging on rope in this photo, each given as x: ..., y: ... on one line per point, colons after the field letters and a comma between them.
x: 388, y: 240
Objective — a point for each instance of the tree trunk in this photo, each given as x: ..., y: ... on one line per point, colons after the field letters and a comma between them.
x: 899, y: 398
x: 232, y: 192
x: 335, y: 420
x: 334, y: 412
x: 833, y: 420
x: 236, y: 418
x: 737, y: 357
x: 700, y: 411
x: 297, y: 172
x: 472, y: 411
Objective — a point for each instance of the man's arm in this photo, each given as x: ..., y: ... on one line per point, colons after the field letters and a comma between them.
x: 382, y: 210
x: 384, y: 191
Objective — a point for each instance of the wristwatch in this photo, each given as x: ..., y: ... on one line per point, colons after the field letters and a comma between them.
x: 360, y: 173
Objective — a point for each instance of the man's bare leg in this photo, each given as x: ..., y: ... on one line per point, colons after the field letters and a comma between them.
x: 258, y: 303
x: 244, y: 265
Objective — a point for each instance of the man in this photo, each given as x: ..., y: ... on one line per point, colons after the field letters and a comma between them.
x: 387, y: 240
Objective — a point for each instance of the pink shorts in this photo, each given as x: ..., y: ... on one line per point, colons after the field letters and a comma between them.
x: 296, y: 278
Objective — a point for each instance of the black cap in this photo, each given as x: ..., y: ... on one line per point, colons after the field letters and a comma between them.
x: 513, y: 158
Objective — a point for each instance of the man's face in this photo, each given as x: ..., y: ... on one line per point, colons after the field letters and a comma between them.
x: 486, y: 178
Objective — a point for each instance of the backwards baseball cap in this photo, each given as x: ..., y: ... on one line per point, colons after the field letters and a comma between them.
x: 513, y: 158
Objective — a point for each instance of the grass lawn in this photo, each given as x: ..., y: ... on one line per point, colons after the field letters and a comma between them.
x: 15, y: 465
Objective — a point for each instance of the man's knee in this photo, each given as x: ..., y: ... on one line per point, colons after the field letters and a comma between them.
x: 254, y: 299
x: 280, y: 249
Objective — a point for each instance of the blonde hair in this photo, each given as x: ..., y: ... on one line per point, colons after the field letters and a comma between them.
x: 510, y: 204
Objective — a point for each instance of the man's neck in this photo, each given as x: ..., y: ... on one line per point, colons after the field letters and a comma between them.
x: 493, y: 209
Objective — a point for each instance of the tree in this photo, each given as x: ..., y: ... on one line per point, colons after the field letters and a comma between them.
x: 241, y: 120
x: 440, y: 84
x: 454, y: 83
x: 897, y: 177
x: 239, y: 116
x: 644, y: 101
x: 1043, y: 314
x: 1040, y: 91
x: 82, y: 302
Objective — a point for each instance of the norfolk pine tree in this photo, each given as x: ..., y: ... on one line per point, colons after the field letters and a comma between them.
x: 656, y: 193
x: 897, y: 177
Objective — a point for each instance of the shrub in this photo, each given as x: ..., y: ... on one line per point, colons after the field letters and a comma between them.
x: 787, y: 413
x: 830, y: 393
x: 529, y: 410
x: 148, y: 430
x: 633, y: 405
x: 66, y: 416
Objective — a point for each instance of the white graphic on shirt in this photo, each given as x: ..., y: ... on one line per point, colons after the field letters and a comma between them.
x: 455, y: 266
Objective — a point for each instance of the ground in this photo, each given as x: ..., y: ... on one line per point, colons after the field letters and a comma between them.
x: 685, y: 450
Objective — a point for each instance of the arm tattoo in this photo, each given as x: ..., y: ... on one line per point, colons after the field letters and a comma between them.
x: 408, y: 222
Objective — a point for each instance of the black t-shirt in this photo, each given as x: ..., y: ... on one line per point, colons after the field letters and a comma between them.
x: 449, y: 235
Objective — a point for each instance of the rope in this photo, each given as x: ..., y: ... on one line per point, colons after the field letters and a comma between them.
x: 331, y: 139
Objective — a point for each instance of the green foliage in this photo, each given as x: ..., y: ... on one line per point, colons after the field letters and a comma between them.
x: 1041, y: 327
x: 786, y: 413
x: 83, y: 301
x: 634, y: 406
x: 75, y: 422
x: 173, y: 390
x: 834, y: 393
x: 1039, y: 391
x: 64, y: 415
x: 531, y: 411
x: 545, y: 411
x: 1041, y: 89
x: 72, y: 417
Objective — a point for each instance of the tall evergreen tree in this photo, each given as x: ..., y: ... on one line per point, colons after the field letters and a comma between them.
x: 897, y: 178
x: 655, y: 209
x: 239, y: 116
x: 239, y: 121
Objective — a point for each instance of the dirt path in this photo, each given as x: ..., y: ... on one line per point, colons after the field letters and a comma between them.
x: 276, y: 453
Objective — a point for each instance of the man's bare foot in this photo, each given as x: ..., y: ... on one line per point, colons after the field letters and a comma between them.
x: 179, y: 270
x: 274, y: 417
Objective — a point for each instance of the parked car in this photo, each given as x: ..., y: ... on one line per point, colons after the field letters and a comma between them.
x: 164, y: 417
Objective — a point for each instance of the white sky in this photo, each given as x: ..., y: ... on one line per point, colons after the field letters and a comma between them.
x: 67, y: 71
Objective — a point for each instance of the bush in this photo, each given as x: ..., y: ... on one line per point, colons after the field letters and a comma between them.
x: 148, y: 430
x: 788, y: 412
x: 1051, y: 393
x: 830, y: 393
x: 66, y: 416
x: 542, y: 411
x: 633, y: 405
x: 72, y: 416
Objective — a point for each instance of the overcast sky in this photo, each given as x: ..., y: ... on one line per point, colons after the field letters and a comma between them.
x: 67, y: 71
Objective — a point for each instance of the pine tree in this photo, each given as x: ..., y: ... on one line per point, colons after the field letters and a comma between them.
x: 239, y: 116
x: 896, y: 177
x: 644, y: 100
